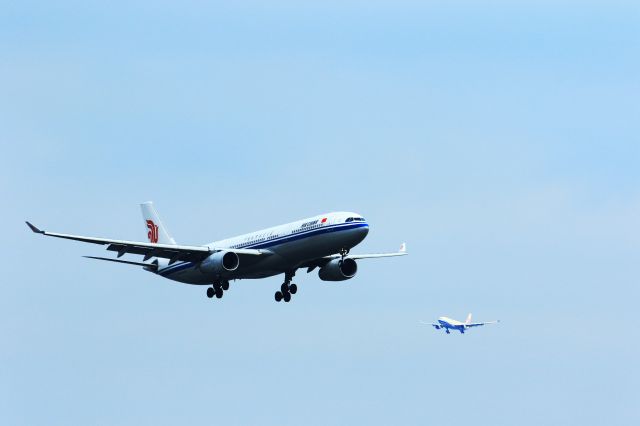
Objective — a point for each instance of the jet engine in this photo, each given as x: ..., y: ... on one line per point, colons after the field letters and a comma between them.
x: 220, y: 262
x: 338, y: 270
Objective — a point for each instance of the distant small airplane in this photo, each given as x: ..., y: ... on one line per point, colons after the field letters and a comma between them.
x: 451, y: 324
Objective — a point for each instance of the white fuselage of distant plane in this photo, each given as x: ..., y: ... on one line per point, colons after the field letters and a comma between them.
x: 447, y: 324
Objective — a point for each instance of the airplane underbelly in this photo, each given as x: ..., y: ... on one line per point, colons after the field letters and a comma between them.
x: 189, y: 275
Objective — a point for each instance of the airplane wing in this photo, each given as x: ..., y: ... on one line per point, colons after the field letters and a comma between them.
x: 478, y: 324
x: 433, y: 324
x: 401, y: 252
x: 319, y: 263
x: 149, y: 250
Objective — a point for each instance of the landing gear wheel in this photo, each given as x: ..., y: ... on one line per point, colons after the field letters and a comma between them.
x: 225, y: 285
x: 287, y: 289
x: 210, y: 292
x: 219, y: 293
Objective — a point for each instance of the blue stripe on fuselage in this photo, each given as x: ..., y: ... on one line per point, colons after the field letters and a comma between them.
x: 445, y: 324
x: 276, y: 241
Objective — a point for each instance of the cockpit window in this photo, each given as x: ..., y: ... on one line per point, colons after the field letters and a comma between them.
x: 355, y: 219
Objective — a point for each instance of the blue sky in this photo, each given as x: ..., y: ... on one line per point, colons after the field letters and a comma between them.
x: 499, y: 140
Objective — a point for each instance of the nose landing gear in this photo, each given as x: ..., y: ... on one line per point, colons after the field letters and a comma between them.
x: 287, y: 288
x: 343, y: 253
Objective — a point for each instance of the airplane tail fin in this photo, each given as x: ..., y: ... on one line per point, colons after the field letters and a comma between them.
x: 468, y: 321
x: 156, y: 231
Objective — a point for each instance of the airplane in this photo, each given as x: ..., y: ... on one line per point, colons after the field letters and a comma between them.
x: 322, y: 242
x: 451, y: 324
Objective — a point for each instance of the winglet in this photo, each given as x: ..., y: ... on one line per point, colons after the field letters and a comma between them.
x: 33, y: 228
x: 403, y: 248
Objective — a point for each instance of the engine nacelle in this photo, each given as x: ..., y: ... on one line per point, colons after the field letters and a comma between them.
x: 220, y: 262
x: 338, y: 270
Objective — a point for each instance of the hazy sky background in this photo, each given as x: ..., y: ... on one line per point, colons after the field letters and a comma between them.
x: 499, y: 139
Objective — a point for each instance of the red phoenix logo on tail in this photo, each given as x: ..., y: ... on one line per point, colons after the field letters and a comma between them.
x: 153, y: 231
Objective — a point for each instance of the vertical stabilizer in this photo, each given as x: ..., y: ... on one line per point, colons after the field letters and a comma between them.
x: 468, y: 321
x: 156, y: 232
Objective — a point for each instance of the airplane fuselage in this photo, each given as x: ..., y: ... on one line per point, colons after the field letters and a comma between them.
x: 451, y: 324
x: 289, y: 246
x: 448, y: 324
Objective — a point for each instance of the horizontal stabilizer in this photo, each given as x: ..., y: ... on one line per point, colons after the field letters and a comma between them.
x: 149, y: 266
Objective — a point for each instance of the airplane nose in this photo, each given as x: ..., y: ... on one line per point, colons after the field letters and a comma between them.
x: 353, y: 235
x: 363, y: 230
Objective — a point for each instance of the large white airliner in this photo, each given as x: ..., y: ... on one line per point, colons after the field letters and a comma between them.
x: 321, y: 241
x: 447, y: 324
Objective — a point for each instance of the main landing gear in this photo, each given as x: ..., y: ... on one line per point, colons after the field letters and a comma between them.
x: 217, y: 289
x: 287, y: 288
